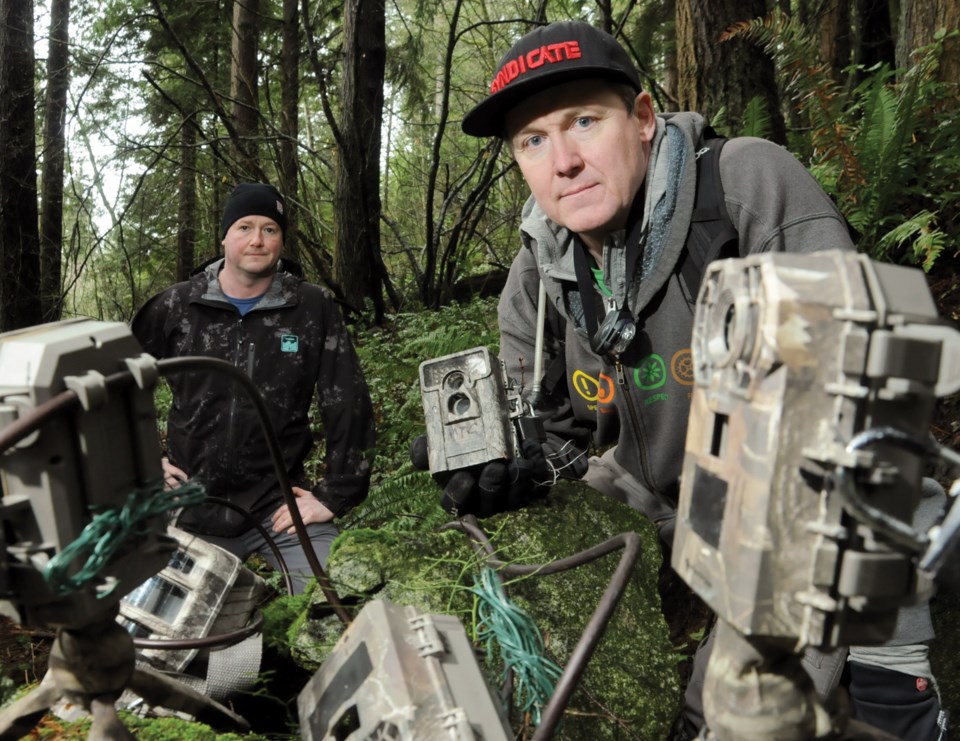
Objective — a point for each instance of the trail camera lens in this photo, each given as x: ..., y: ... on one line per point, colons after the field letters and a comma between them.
x: 454, y: 380
x: 459, y: 404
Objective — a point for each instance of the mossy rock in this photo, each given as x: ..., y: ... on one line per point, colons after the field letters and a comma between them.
x: 52, y: 728
x: 945, y: 649
x: 631, y: 687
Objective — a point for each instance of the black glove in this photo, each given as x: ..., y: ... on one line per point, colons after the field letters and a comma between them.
x: 492, y: 487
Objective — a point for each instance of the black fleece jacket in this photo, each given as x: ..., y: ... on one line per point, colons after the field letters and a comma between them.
x: 292, y: 343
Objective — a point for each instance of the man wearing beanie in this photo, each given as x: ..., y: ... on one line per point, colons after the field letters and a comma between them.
x: 253, y: 309
x: 611, y: 230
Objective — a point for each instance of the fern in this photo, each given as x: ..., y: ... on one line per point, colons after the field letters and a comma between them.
x: 885, y: 151
x: 402, y: 501
x: 920, y: 231
x: 756, y: 119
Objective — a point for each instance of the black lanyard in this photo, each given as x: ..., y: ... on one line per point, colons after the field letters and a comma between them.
x: 581, y: 264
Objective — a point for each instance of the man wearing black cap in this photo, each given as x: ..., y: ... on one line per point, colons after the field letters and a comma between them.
x: 607, y: 229
x: 254, y: 310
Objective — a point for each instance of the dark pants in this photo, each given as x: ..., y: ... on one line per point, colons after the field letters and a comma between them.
x: 321, y: 535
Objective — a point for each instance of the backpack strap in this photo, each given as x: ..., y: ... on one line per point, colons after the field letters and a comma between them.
x: 712, y: 233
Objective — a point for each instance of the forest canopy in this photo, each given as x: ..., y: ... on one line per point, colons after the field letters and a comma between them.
x: 126, y: 124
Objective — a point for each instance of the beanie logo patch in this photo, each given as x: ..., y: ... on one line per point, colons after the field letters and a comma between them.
x: 548, y: 54
x: 279, y: 207
x: 289, y: 343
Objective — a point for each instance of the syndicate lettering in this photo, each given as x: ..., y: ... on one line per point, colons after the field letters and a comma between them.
x: 549, y: 54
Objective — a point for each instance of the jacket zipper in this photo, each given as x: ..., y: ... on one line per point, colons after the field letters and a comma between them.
x: 637, y: 427
x: 231, y: 422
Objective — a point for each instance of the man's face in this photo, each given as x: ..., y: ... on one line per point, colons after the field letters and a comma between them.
x: 252, y: 245
x: 583, y: 154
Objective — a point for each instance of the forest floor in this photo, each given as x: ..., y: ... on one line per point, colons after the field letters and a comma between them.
x: 24, y: 652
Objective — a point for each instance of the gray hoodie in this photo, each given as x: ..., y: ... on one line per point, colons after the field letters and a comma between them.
x: 642, y: 403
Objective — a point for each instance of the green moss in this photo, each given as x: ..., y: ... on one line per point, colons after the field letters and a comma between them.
x: 631, y: 687
x: 278, y: 617
x: 144, y: 729
x: 945, y: 649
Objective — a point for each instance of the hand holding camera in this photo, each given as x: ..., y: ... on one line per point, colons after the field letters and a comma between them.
x: 486, y: 489
x: 480, y: 445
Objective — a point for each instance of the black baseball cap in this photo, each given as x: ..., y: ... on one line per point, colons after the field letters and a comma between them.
x: 546, y: 56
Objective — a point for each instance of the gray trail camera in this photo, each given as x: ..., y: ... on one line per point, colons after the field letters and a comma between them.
x: 72, y: 467
x: 794, y: 356
x: 400, y: 674
x: 469, y: 410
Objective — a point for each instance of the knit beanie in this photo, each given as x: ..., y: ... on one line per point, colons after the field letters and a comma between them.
x: 253, y: 199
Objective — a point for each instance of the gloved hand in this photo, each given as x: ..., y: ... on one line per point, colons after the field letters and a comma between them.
x: 492, y: 487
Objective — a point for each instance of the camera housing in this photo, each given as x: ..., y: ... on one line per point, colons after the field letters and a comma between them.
x: 795, y: 356
x: 469, y: 410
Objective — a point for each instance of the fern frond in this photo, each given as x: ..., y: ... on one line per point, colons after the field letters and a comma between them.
x: 926, y: 240
x: 719, y: 119
x: 809, y: 84
x: 411, y: 494
x: 756, y: 119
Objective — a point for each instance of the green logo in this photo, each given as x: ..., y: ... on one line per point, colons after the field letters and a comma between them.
x: 651, y: 373
x: 289, y: 343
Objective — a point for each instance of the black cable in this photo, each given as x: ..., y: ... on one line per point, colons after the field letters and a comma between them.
x: 19, y: 429
x: 596, y: 626
x: 267, y: 538
x: 202, y: 363
x: 874, y: 518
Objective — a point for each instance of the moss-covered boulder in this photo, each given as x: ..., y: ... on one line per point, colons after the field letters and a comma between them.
x: 631, y: 688
x: 945, y: 649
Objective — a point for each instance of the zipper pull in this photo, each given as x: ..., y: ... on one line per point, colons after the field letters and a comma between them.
x: 621, y: 380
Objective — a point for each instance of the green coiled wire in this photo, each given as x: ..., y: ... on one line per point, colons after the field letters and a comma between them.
x: 502, y: 623
x: 109, y: 530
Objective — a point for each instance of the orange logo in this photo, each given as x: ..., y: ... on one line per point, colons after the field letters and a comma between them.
x: 681, y: 367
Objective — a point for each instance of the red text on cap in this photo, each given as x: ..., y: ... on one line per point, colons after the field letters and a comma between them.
x: 548, y: 54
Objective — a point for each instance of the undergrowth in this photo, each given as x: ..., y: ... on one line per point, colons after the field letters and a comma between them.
x: 885, y: 151
x: 391, y: 355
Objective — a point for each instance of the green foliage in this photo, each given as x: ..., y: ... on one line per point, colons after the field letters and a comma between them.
x: 756, y: 119
x: 278, y: 616
x: 390, y: 356
x: 918, y: 233
x: 143, y: 729
x: 8, y: 689
x: 887, y: 151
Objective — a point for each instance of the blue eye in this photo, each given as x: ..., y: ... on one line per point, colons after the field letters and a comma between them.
x: 583, y: 122
x: 533, y: 142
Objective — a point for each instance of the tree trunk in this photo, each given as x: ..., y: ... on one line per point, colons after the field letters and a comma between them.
x: 671, y: 73
x: 51, y: 210
x: 289, y: 121
x: 187, y: 201
x: 20, y: 289
x: 357, y: 263
x: 919, y: 21
x: 835, y: 37
x: 243, y: 81
x: 713, y: 74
